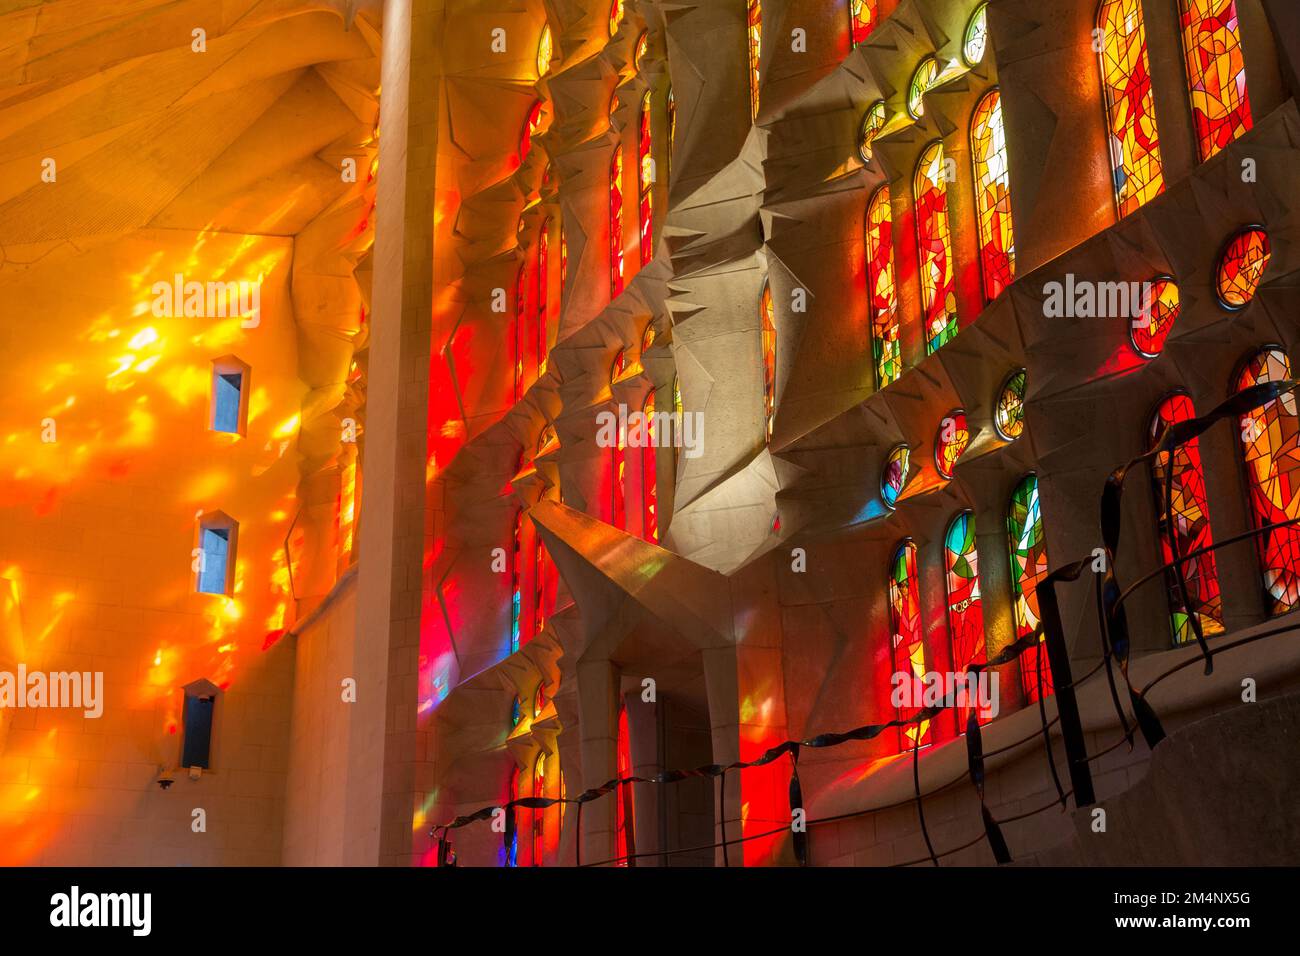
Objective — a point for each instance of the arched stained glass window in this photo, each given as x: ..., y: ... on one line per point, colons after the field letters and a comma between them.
x: 873, y: 121
x: 521, y: 327
x: 564, y: 261
x: 642, y: 45
x: 927, y: 71
x: 1216, y: 73
x: 754, y: 34
x: 976, y: 40
x: 677, y: 419
x: 618, y: 457
x: 516, y: 581
x: 1190, y: 526
x: 965, y: 608
x: 649, y: 486
x: 894, y: 475
x: 882, y: 290
x: 672, y: 135
x: 950, y: 442
x: 993, y: 195
x: 625, y: 809
x: 934, y: 248
x: 769, y: 362
x: 1130, y: 105
x: 532, y: 126
x: 512, y: 820
x: 615, y: 16
x: 907, y: 643
x: 1147, y: 333
x: 1241, y: 267
x: 862, y: 20
x: 540, y: 572
x: 645, y: 182
x: 1270, y: 441
x: 1028, y: 567
x: 544, y: 50
x: 616, y: 223
x: 543, y: 283
x: 1009, y: 415
x: 539, y: 815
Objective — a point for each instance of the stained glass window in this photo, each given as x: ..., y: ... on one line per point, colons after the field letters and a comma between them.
x: 543, y: 281
x: 1191, y: 526
x: 1270, y: 439
x: 532, y: 126
x: 1147, y: 333
x: 1028, y: 567
x: 1009, y: 415
x: 625, y: 810
x: 1241, y: 267
x: 618, y: 458
x: 873, y: 121
x: 521, y: 328
x: 894, y: 475
x: 993, y: 195
x: 649, y: 489
x: 755, y: 39
x: 645, y: 181
x: 882, y: 291
x: 934, y: 247
x: 544, y: 51
x: 977, y: 36
x: 564, y: 261
x: 677, y: 418
x: 539, y: 699
x: 862, y: 20
x: 516, y: 581
x: 512, y: 853
x: 616, y: 223
x: 907, y: 643
x: 769, y: 362
x: 950, y: 442
x: 615, y: 16
x: 1130, y: 105
x: 516, y: 711
x: 965, y: 608
x: 539, y: 585
x: 539, y: 815
x: 642, y: 44
x: 1216, y: 73
x: 672, y: 135
x: 927, y: 71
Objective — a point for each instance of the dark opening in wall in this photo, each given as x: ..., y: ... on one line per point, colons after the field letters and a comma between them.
x: 197, y: 724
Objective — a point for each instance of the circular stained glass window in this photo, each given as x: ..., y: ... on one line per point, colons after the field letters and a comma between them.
x: 894, y: 476
x: 1148, y: 332
x: 1009, y: 415
x: 873, y: 121
x: 926, y: 73
x: 977, y: 36
x: 1241, y: 267
x: 950, y: 442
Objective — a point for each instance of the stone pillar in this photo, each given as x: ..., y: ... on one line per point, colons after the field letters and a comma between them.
x: 381, y: 764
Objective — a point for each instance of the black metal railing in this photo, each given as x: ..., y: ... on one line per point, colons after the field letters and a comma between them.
x: 1110, y: 600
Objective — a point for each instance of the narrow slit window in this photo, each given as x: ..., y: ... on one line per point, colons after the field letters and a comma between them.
x: 229, y: 396
x: 216, y: 554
